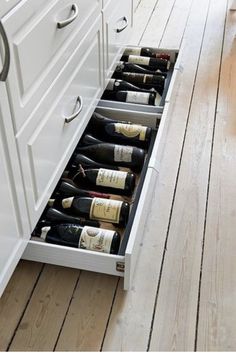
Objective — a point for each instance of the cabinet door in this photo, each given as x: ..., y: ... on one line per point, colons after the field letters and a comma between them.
x: 39, y: 48
x: 14, y: 227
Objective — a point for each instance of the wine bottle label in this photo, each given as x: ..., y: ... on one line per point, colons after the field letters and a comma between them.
x: 44, y: 232
x: 110, y: 85
x: 105, y: 210
x: 111, y: 178
x: 96, y: 239
x: 66, y: 203
x: 123, y: 153
x: 131, y: 130
x: 137, y: 97
x: 140, y: 60
x: 132, y: 51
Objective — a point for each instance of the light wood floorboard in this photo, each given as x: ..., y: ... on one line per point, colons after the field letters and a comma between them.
x: 217, y: 318
x: 176, y: 311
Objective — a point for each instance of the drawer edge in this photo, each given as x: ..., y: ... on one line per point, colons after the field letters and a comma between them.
x: 72, y: 257
x: 141, y: 216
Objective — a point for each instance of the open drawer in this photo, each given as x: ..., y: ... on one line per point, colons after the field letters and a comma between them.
x: 122, y: 264
x: 170, y: 78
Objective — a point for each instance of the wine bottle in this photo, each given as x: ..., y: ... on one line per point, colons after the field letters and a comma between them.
x: 152, y: 63
x: 56, y: 216
x: 87, y: 238
x: 67, y: 188
x: 120, y: 131
x: 87, y: 162
x: 129, y: 67
x: 106, y: 180
x: 132, y: 97
x: 124, y: 156
x: 111, y: 211
x: 121, y: 85
x: 146, y: 81
x: 149, y: 52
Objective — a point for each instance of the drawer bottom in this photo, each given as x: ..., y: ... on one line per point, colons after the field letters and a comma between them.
x: 123, y: 264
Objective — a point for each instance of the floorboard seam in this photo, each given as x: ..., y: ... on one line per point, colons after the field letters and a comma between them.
x: 109, y: 316
x: 26, y: 306
x: 209, y: 176
x: 176, y: 184
x: 148, y: 21
x: 67, y: 310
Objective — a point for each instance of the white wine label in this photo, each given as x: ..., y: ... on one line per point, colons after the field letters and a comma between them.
x: 140, y: 60
x: 105, y: 210
x: 44, y: 232
x: 123, y: 153
x: 96, y: 239
x: 111, y: 178
x: 132, y: 51
x: 66, y: 203
x: 137, y: 97
x: 131, y: 130
x: 110, y: 85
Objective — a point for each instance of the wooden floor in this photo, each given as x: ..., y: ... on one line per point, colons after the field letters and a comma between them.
x: 184, y: 290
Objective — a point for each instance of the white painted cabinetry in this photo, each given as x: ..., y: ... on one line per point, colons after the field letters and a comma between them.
x: 62, y: 53
x: 14, y: 225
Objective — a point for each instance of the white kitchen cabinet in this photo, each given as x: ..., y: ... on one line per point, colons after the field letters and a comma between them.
x: 117, y: 18
x: 39, y: 48
x: 7, y: 5
x: 14, y: 226
x: 56, y: 78
x: 47, y: 141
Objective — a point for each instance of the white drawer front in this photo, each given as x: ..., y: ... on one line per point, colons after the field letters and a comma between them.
x: 117, y: 16
x: 47, y: 141
x: 39, y: 48
x: 7, y: 5
x: 100, y: 262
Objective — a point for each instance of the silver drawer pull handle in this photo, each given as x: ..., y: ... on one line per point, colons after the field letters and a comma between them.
x: 125, y: 26
x: 6, y: 65
x: 73, y: 116
x: 65, y: 23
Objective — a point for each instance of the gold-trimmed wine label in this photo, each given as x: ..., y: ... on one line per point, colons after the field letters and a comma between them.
x: 66, y: 203
x: 137, y: 97
x: 105, y: 210
x: 111, y: 178
x: 96, y: 239
x: 139, y: 60
x: 123, y: 153
x: 131, y: 130
x: 132, y: 51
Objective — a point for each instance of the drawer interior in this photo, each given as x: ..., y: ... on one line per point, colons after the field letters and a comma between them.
x: 157, y: 107
x: 61, y: 255
x: 123, y: 263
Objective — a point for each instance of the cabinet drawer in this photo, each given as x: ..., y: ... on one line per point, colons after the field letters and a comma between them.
x: 7, y: 5
x: 122, y: 264
x: 167, y: 89
x: 39, y: 49
x: 47, y: 142
x: 117, y: 25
